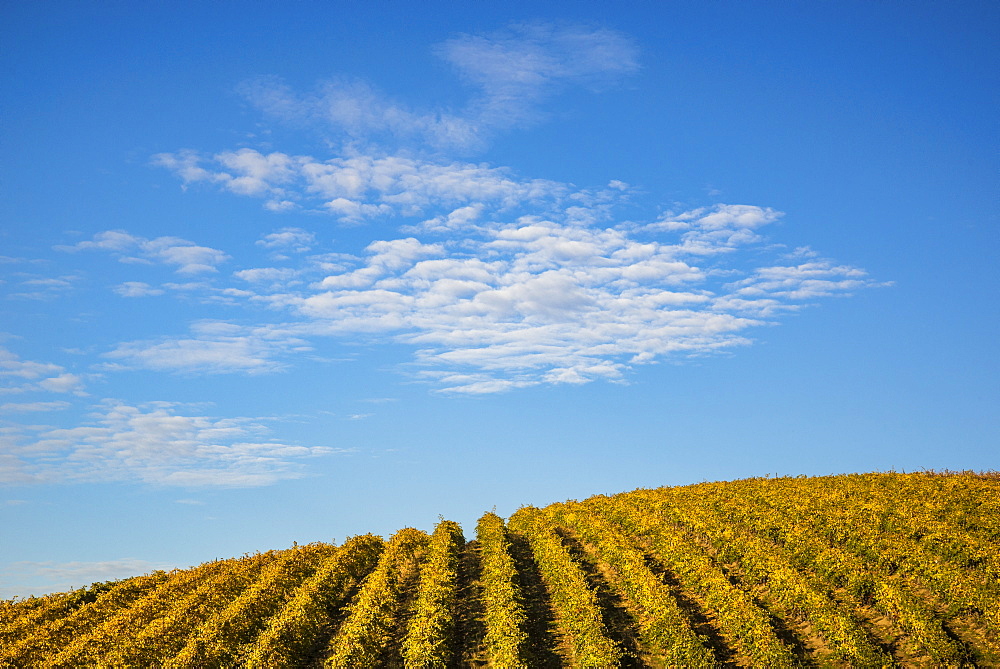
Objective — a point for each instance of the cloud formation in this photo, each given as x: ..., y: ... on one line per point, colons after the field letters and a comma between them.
x: 28, y: 286
x: 187, y: 257
x: 154, y: 444
x: 539, y: 301
x: 499, y: 304
x: 137, y: 289
x: 24, y: 407
x: 511, y: 71
x: 213, y: 347
x: 495, y: 280
x: 358, y: 187
x: 516, y: 68
x: 21, y: 376
x: 288, y: 240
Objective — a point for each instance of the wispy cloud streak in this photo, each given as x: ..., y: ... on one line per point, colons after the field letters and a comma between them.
x: 186, y: 256
x: 510, y: 71
x: 22, y: 376
x: 155, y: 444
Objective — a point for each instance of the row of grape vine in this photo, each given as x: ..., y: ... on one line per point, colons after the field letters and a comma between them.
x: 865, y: 570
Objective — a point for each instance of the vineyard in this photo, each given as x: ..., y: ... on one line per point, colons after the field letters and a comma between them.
x: 865, y: 570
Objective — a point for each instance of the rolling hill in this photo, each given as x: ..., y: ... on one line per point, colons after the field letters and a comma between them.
x: 862, y: 570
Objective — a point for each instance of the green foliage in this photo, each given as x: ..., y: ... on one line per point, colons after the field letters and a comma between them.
x: 505, y: 619
x: 290, y: 635
x: 573, y: 603
x: 428, y: 637
x: 364, y: 636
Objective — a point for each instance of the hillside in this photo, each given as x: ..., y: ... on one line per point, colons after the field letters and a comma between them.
x: 854, y: 570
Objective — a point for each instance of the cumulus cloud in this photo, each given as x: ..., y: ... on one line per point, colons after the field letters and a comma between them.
x: 295, y: 240
x: 186, y: 256
x: 155, y: 444
x: 358, y: 187
x: 496, y: 281
x: 535, y: 300
x: 718, y: 229
x: 12, y: 367
x: 63, y: 383
x: 20, y: 376
x: 462, y: 217
x: 538, y: 301
x: 511, y: 71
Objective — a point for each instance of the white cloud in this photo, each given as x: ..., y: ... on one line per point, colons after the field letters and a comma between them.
x: 294, y: 240
x: 52, y: 283
x: 361, y: 112
x: 806, y: 281
x: 11, y: 366
x: 358, y: 187
x: 801, y: 252
x: 63, y: 383
x: 717, y: 229
x: 463, y: 217
x: 511, y: 71
x: 34, y: 287
x: 517, y: 67
x: 500, y: 305
x: 137, y: 289
x: 22, y: 407
x: 536, y: 301
x: 528, y: 56
x: 266, y: 274
x: 214, y: 347
x: 497, y: 281
x: 188, y: 286
x: 256, y: 173
x: 512, y: 298
x: 20, y: 376
x: 186, y: 256
x: 152, y: 444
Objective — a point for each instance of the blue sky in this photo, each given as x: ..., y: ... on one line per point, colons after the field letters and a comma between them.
x: 275, y: 275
